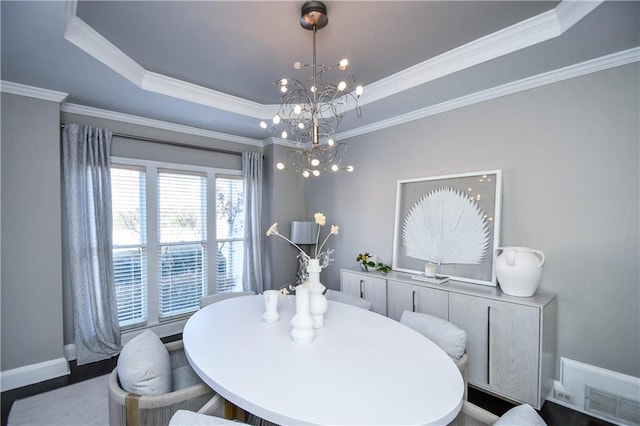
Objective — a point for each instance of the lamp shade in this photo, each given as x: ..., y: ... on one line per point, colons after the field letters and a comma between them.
x: 302, y: 232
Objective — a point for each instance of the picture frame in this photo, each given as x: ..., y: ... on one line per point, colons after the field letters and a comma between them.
x: 452, y: 221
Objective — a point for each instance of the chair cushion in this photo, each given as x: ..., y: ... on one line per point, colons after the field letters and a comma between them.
x: 144, y: 367
x: 521, y: 415
x: 447, y: 336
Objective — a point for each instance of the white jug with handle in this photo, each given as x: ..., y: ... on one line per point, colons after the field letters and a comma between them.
x: 519, y: 270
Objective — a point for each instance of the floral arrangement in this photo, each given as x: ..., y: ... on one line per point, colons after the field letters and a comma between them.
x: 363, y: 259
x: 323, y: 257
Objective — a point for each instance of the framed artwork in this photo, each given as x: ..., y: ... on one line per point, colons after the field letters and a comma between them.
x: 452, y: 222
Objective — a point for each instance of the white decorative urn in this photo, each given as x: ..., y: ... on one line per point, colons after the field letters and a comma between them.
x: 519, y: 270
x: 317, y: 299
x: 302, y: 331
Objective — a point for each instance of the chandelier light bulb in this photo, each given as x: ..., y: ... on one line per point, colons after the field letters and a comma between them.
x: 316, y: 172
x: 263, y: 124
x: 305, y: 173
x: 284, y: 134
x: 359, y: 90
x: 280, y: 166
x: 276, y: 119
x: 283, y: 82
x: 283, y: 89
x: 313, y: 89
x: 315, y: 162
x: 335, y: 167
x: 343, y: 64
x: 349, y: 169
x: 297, y: 109
x: 331, y: 142
x: 342, y: 85
x: 300, y: 126
x: 297, y: 65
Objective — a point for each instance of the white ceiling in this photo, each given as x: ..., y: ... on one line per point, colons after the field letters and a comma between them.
x: 211, y: 64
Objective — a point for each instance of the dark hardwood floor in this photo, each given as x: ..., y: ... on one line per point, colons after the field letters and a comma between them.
x: 553, y: 414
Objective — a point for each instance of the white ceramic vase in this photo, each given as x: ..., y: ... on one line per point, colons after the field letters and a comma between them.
x: 519, y: 270
x: 270, y: 298
x: 317, y: 299
x: 302, y: 331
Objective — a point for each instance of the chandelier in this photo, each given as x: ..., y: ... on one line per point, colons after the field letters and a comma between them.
x: 311, y: 110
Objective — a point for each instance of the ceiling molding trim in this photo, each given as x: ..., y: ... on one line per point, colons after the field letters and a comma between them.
x: 89, y: 40
x: 572, y: 71
x: 159, y: 83
x: 524, y: 34
x: 32, y: 92
x: 156, y: 124
x: 570, y: 12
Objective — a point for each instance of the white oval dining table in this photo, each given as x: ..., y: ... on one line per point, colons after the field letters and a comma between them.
x: 362, y: 368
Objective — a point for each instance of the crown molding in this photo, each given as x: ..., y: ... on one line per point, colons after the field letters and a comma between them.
x: 89, y: 40
x: 157, y: 124
x: 599, y: 64
x: 539, y: 28
x: 524, y: 34
x: 32, y: 92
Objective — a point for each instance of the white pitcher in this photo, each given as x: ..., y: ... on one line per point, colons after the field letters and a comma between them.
x: 519, y: 270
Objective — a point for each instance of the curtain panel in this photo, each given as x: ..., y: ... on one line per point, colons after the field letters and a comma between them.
x: 252, y: 278
x: 87, y: 212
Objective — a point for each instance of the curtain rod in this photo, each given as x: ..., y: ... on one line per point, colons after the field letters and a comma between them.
x: 183, y: 145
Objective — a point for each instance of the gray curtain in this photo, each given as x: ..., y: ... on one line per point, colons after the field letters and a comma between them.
x: 87, y: 204
x: 253, y: 229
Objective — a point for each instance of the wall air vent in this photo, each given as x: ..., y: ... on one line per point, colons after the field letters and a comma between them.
x: 618, y: 409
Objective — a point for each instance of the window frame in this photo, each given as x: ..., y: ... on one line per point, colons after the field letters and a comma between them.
x: 151, y: 169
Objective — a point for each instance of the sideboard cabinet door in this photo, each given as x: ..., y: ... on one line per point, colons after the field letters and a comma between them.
x: 412, y: 297
x: 372, y: 289
x: 503, y: 342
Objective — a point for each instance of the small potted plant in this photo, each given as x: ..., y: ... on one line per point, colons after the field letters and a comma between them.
x: 367, y: 260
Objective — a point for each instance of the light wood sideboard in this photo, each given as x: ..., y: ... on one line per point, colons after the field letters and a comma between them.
x: 511, y: 341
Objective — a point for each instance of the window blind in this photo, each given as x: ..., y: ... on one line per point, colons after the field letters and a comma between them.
x: 229, y: 233
x: 182, y: 248
x: 129, y: 244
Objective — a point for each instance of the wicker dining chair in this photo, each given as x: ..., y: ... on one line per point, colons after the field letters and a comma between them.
x: 472, y: 415
x: 447, y: 336
x: 188, y: 392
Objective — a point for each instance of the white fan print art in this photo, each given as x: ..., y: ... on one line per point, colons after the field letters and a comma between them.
x: 446, y: 226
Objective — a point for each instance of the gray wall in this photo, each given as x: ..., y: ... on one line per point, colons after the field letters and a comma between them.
x: 570, y: 159
x: 31, y: 293
x: 285, y: 199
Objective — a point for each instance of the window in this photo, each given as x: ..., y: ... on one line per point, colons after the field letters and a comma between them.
x: 229, y: 233
x: 163, y: 239
x: 182, y: 245
x: 129, y: 244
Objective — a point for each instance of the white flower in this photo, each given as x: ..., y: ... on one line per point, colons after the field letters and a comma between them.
x: 320, y: 219
x: 335, y: 229
x: 273, y: 230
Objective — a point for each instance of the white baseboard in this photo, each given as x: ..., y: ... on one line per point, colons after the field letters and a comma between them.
x: 33, y: 373
x: 570, y: 390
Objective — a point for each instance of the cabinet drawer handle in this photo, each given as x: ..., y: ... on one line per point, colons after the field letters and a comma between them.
x: 413, y: 301
x: 362, y: 288
x: 489, y: 344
